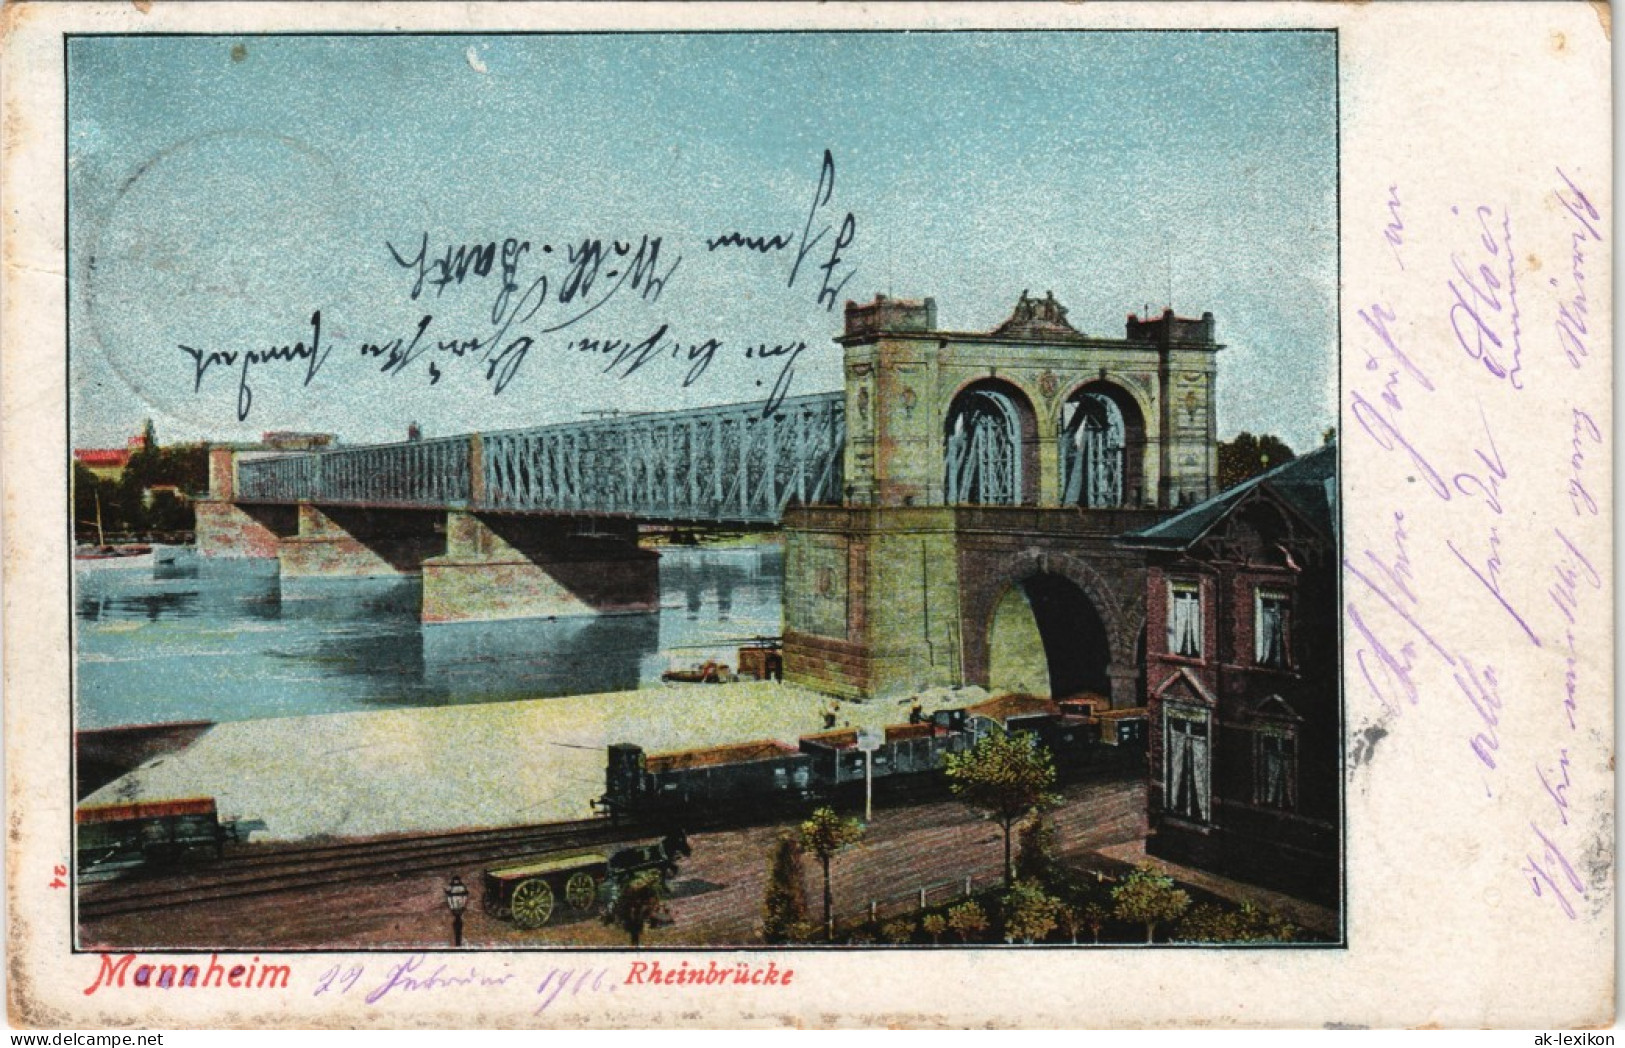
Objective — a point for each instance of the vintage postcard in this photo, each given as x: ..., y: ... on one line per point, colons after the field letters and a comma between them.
x: 559, y: 516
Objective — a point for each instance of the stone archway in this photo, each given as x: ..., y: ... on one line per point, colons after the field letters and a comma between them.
x: 1045, y: 637
x: 1050, y: 599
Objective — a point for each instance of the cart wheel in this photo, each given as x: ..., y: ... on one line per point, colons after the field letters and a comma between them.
x: 581, y: 891
x: 532, y: 903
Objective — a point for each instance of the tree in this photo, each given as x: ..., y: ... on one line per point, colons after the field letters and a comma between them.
x: 1072, y: 921
x: 1271, y: 926
x: 824, y: 835
x: 144, y: 469
x: 1007, y: 776
x: 129, y: 505
x: 897, y: 932
x: 1149, y: 898
x: 186, y: 466
x: 169, y: 514
x: 1094, y: 916
x: 1211, y: 922
x: 1208, y: 922
x: 1030, y: 913
x: 1247, y: 456
x: 637, y: 904
x: 967, y: 921
x: 934, y: 925
x: 785, y: 904
x: 1035, y: 845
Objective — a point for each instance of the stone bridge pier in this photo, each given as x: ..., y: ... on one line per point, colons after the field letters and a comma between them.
x: 885, y: 602
x: 227, y: 530
x: 475, y: 566
x: 498, y: 566
x: 344, y: 542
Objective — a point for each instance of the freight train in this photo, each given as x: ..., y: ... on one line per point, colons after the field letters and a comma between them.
x: 765, y: 775
x: 155, y: 831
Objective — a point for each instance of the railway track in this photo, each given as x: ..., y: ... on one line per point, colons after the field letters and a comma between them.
x: 285, y: 870
x: 246, y: 872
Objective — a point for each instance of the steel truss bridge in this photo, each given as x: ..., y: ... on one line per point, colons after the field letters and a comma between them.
x: 723, y: 464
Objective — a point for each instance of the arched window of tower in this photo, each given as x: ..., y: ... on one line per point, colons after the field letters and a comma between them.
x: 983, y: 450
x: 1102, y: 440
x: 1092, y: 449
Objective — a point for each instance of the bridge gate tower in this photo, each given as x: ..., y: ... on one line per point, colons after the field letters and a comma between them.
x: 986, y: 475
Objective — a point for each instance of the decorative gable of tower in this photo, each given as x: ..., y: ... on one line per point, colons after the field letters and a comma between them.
x: 1040, y: 319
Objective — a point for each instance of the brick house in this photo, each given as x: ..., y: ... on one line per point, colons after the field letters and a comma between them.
x: 1242, y: 680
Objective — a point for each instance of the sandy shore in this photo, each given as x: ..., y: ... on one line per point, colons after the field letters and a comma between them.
x: 453, y: 767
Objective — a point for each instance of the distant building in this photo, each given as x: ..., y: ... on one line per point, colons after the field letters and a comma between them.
x: 290, y: 440
x: 109, y: 463
x: 151, y: 495
x: 1242, y: 680
x: 105, y: 463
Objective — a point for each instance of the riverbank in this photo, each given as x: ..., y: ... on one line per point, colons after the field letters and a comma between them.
x: 105, y: 754
x: 462, y: 766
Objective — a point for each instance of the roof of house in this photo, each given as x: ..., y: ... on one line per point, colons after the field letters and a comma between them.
x: 1308, y: 484
x: 102, y: 456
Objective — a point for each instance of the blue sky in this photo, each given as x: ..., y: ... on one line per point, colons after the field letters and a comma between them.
x: 223, y: 189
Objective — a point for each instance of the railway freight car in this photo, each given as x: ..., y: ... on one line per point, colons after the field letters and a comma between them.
x: 736, y: 780
x: 149, y: 831
x: 746, y: 775
x: 903, y: 750
x: 1069, y: 729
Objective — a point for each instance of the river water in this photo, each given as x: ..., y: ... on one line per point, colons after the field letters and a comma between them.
x: 224, y: 641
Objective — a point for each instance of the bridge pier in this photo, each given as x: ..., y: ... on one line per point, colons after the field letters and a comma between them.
x: 871, y: 600
x: 500, y: 566
x: 886, y: 601
x: 335, y: 542
x: 227, y: 530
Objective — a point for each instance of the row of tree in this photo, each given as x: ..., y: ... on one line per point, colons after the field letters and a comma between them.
x: 1247, y: 456
x: 140, y: 502
x: 1009, y: 778
x: 1005, y: 776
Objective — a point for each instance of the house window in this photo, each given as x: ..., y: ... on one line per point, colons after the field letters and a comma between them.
x: 1185, y: 762
x: 1275, y: 768
x: 1270, y: 620
x: 1185, y: 620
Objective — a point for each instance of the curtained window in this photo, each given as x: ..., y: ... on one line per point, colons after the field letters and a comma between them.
x: 1185, y: 620
x: 1186, y: 762
x: 1275, y: 768
x: 1270, y: 629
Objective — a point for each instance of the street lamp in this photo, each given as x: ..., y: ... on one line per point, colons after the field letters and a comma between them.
x: 456, y: 902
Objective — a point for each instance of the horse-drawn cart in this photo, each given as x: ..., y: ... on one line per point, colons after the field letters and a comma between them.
x: 530, y: 890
